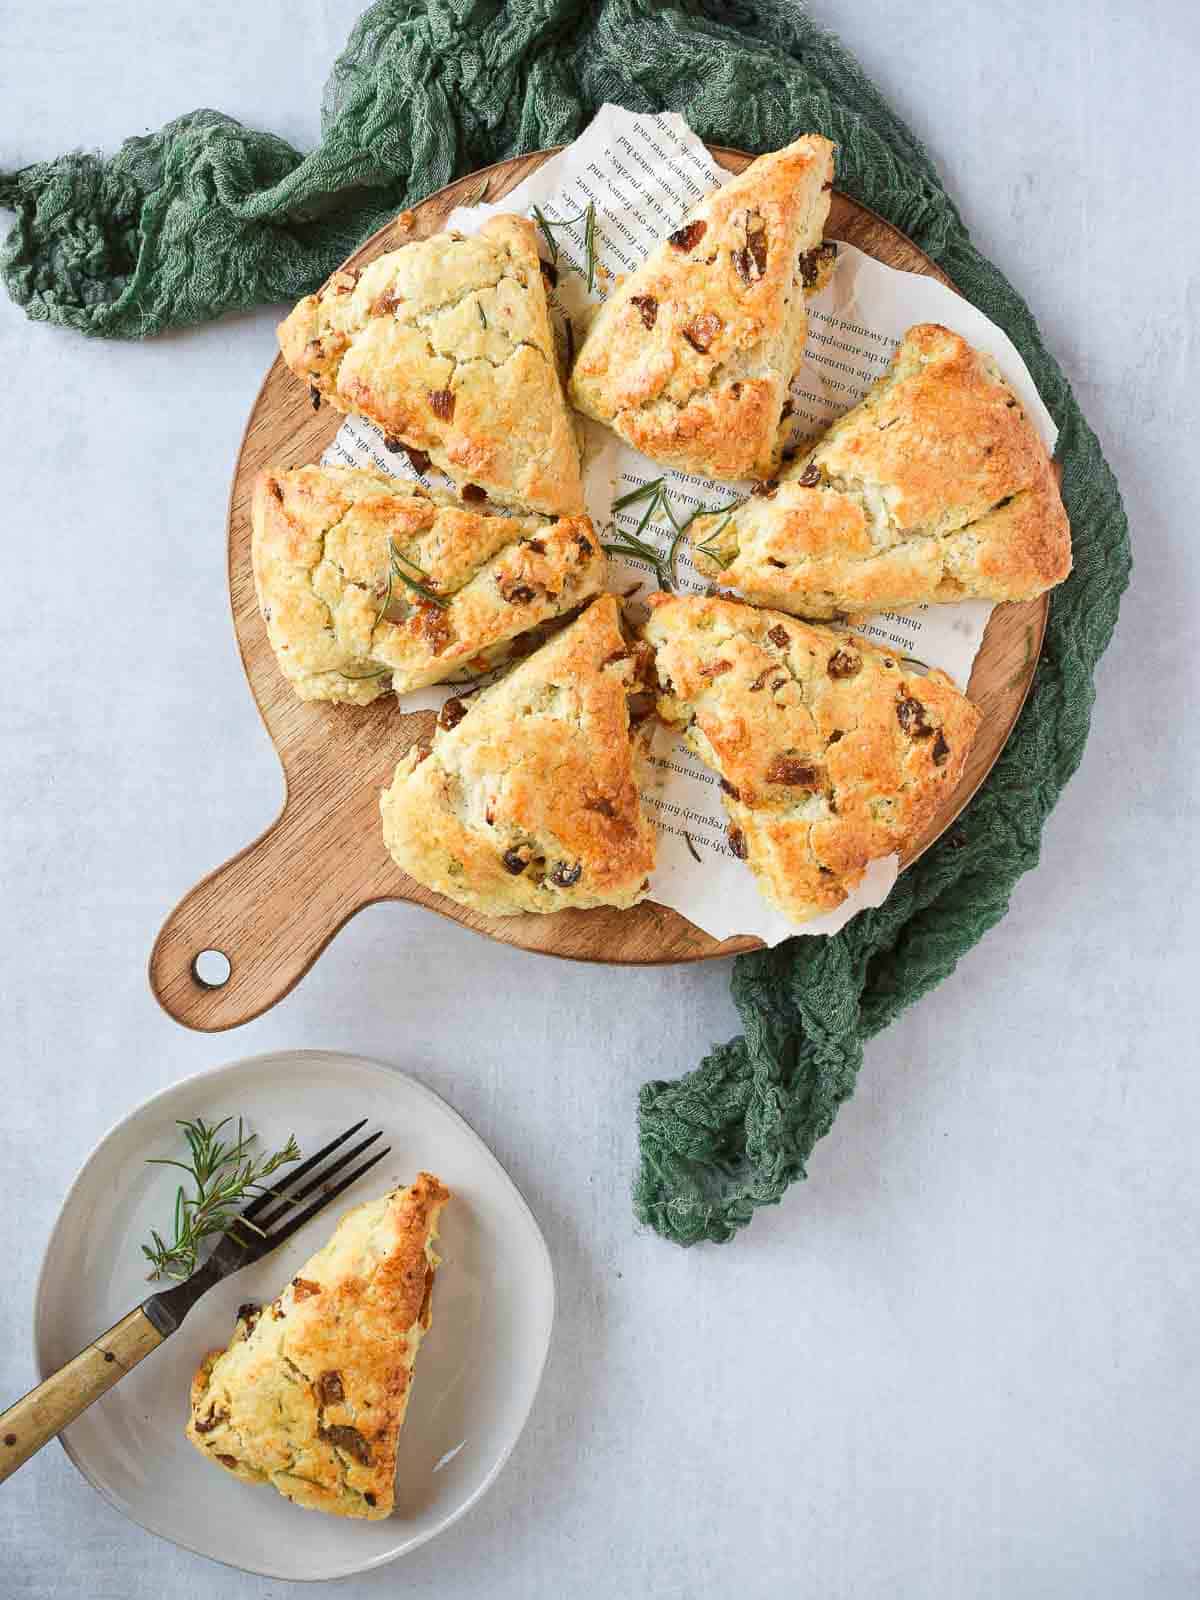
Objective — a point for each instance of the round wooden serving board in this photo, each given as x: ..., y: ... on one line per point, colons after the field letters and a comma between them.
x: 276, y: 905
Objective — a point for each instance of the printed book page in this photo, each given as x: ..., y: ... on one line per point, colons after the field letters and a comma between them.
x: 641, y: 174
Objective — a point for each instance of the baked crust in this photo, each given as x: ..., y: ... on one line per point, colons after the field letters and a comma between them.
x: 332, y: 547
x: 311, y: 1393
x: 937, y: 487
x: 830, y: 752
x: 529, y: 800
x: 691, y: 357
x: 446, y: 344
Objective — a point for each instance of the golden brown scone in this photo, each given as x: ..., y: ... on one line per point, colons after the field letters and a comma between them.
x: 830, y: 752
x: 691, y: 357
x: 346, y: 563
x: 937, y: 487
x: 527, y: 799
x: 311, y: 1393
x: 446, y: 344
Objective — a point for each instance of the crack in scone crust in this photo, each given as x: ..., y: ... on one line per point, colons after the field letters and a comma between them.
x: 831, y: 753
x: 447, y: 345
x: 333, y: 546
x: 311, y: 1393
x: 690, y: 359
x: 937, y: 487
x: 528, y: 799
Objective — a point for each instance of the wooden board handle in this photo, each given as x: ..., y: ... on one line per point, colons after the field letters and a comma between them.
x: 45, y: 1411
x: 246, y: 934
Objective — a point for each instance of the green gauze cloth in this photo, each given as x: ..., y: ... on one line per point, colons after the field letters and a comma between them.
x: 206, y: 216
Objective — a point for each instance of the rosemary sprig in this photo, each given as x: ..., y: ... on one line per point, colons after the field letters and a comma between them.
x: 225, y: 1175
x: 658, y: 504
x: 629, y: 545
x: 588, y: 217
x: 396, y: 570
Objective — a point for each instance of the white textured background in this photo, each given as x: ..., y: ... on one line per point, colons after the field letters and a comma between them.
x: 961, y: 1361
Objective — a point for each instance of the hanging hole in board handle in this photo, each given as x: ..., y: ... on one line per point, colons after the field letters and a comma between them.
x: 211, y: 969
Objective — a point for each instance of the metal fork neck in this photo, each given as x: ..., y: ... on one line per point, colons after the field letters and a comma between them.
x: 168, y: 1309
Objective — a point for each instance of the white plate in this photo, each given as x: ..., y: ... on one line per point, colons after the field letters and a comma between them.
x: 476, y: 1375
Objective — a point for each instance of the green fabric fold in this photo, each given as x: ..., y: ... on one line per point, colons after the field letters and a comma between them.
x: 207, y: 216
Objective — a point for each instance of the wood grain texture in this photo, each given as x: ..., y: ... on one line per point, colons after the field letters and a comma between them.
x: 44, y: 1412
x: 274, y: 907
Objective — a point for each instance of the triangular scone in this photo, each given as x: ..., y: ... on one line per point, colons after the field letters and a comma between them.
x: 447, y: 345
x: 311, y: 1393
x: 368, y: 583
x: 830, y: 752
x: 936, y: 487
x: 527, y: 799
x: 691, y: 358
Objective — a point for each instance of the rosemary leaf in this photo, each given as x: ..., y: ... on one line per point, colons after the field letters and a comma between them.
x: 650, y: 513
x: 708, y: 547
x: 358, y: 677
x: 547, y: 234
x: 589, y: 238
x: 673, y: 553
x: 655, y: 486
x: 399, y: 562
x: 387, y: 598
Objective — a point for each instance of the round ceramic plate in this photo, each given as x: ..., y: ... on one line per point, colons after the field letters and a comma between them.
x: 476, y: 1375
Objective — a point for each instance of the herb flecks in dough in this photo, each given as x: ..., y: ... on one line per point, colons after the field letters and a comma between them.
x: 446, y: 344
x: 820, y: 772
x: 364, y: 578
x: 690, y: 358
x: 934, y: 488
x: 531, y: 801
x: 311, y: 1397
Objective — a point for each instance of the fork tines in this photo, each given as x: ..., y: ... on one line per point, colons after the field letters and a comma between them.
x: 280, y: 1221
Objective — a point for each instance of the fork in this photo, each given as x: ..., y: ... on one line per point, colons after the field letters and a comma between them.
x: 45, y: 1411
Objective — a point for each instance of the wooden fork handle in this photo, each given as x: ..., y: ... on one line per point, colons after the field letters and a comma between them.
x: 45, y: 1411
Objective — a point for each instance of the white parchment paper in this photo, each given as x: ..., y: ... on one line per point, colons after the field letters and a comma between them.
x: 642, y: 173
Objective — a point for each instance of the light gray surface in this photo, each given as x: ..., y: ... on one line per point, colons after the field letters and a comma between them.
x: 961, y: 1360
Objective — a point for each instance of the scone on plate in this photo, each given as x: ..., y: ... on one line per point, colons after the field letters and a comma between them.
x: 526, y: 799
x: 830, y: 752
x: 937, y: 487
x: 368, y: 583
x: 690, y: 359
x: 311, y: 1394
x: 446, y: 344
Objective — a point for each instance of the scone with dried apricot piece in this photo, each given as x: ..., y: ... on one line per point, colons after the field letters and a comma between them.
x: 937, y: 487
x: 368, y: 583
x: 690, y: 359
x: 447, y: 345
x: 311, y: 1394
x: 830, y: 752
x: 527, y: 799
